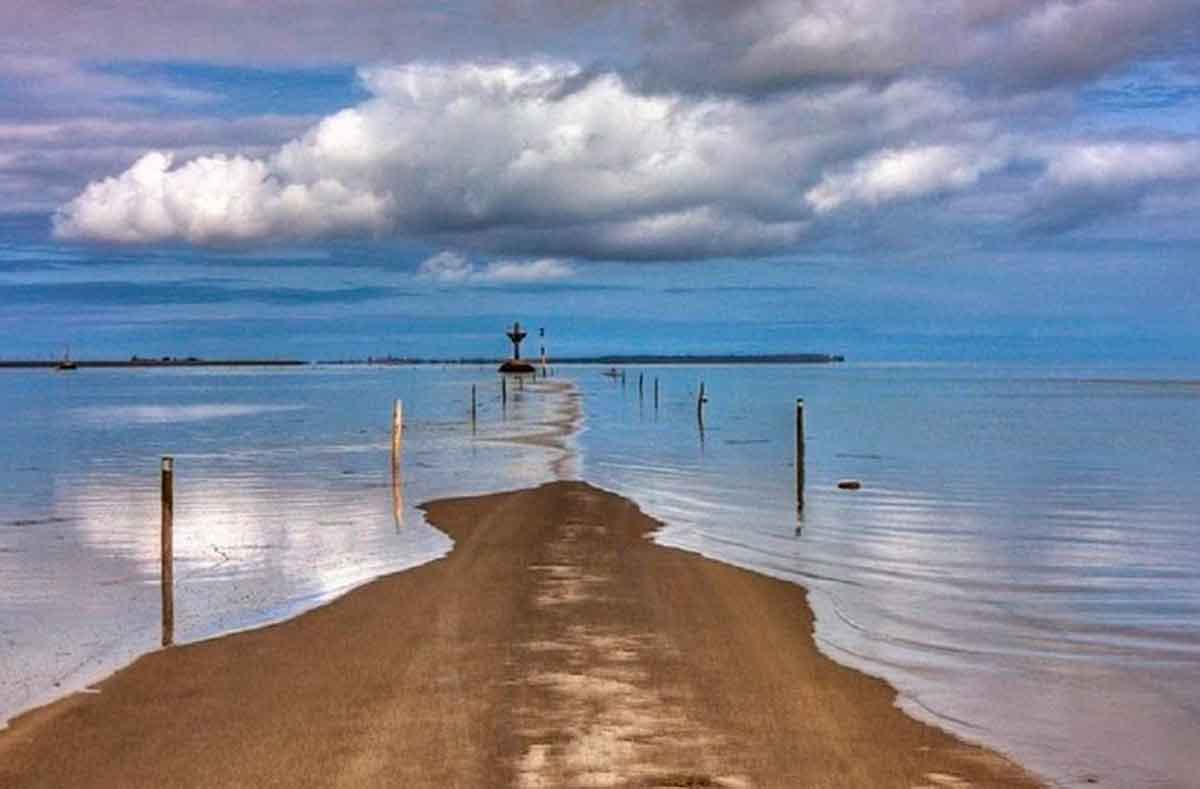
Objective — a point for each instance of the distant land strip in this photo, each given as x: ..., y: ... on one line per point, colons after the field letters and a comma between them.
x: 140, y: 362
x: 774, y: 358
x: 631, y: 359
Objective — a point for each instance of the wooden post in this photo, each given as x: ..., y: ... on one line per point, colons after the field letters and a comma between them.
x: 656, y: 392
x: 800, y: 453
x: 639, y: 386
x: 168, y: 550
x: 700, y: 401
x: 503, y: 390
x: 473, y: 410
x: 397, y: 431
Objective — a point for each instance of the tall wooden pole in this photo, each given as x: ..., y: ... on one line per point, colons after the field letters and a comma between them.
x: 168, y: 550
x: 800, y: 453
x: 700, y: 401
x: 639, y: 386
x: 473, y: 409
x: 503, y: 391
x: 656, y: 393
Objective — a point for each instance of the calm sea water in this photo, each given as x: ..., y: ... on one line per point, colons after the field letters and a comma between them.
x: 284, y: 498
x: 1023, y: 561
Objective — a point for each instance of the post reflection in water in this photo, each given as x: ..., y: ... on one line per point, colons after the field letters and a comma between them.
x: 397, y: 494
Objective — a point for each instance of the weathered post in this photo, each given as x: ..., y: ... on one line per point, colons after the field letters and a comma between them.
x: 656, y: 393
x: 168, y: 550
x: 639, y: 386
x: 503, y: 391
x: 473, y: 409
x: 800, y: 453
x: 700, y: 401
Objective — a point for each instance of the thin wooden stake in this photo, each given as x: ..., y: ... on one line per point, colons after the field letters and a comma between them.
x: 503, y: 391
x: 700, y: 401
x: 655, y: 393
x: 168, y: 550
x: 800, y: 453
x: 473, y: 409
x: 639, y: 386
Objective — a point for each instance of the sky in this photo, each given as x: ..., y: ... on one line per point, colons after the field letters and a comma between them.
x: 888, y: 180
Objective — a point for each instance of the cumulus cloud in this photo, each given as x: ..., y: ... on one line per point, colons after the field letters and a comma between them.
x: 215, y: 199
x: 547, y: 160
x: 452, y: 268
x: 1086, y: 182
x: 907, y: 173
x: 519, y: 152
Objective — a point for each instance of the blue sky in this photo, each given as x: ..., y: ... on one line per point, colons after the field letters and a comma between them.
x: 1000, y: 179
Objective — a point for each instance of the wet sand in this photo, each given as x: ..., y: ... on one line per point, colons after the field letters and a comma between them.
x: 555, y: 646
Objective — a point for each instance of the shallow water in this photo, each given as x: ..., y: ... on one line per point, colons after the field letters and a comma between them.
x: 1023, y: 560
x: 283, y: 498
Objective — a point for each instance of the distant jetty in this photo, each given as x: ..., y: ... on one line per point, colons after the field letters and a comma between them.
x: 140, y: 361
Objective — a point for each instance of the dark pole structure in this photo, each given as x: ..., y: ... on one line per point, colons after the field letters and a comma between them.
x: 516, y: 335
x: 515, y: 365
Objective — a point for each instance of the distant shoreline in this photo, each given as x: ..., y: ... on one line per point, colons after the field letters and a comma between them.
x: 620, y: 359
x: 612, y: 360
x: 191, y: 362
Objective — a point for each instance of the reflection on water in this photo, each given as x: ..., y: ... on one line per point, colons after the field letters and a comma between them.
x: 285, y: 496
x: 113, y: 416
x: 1022, y: 562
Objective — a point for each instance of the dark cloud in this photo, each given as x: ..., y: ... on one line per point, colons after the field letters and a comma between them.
x: 764, y: 46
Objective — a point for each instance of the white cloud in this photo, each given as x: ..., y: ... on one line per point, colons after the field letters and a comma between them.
x: 446, y: 267
x: 1123, y: 162
x: 215, y: 199
x: 897, y: 174
x: 451, y: 268
x: 541, y: 270
x: 542, y: 160
x: 533, y: 159
x: 1087, y: 181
